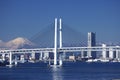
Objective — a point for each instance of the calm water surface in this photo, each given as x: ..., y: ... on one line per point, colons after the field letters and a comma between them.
x: 69, y: 71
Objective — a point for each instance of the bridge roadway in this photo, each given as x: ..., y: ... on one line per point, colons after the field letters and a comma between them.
x: 63, y: 49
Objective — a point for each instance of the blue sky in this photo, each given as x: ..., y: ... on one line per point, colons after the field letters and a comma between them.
x: 24, y: 18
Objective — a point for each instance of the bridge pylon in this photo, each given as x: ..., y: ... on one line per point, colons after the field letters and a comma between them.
x: 55, y: 41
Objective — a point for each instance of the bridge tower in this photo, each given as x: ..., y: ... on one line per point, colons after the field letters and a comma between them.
x: 55, y: 43
x: 60, y: 33
x: 60, y: 22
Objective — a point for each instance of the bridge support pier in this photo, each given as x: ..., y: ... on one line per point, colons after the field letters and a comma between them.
x: 60, y: 60
x: 10, y: 60
x: 33, y: 55
x: 104, y: 52
x: 82, y: 54
x: 111, y: 53
x: 55, y: 43
x: 64, y: 56
x: 22, y: 58
x: 40, y: 58
x: 118, y: 54
x: 3, y: 57
x: 46, y: 55
x: 89, y: 53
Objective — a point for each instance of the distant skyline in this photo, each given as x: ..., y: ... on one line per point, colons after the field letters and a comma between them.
x: 25, y: 18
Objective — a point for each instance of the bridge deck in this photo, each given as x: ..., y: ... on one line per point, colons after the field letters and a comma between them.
x: 63, y: 49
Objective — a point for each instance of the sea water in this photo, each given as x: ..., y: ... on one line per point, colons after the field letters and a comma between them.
x: 69, y: 71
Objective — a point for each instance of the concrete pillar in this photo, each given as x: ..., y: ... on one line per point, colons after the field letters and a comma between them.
x: 55, y: 43
x: 10, y: 58
x: 3, y: 57
x: 46, y: 55
x: 82, y: 54
x: 104, y: 52
x: 33, y: 55
x: 64, y: 56
x: 117, y: 54
x: 41, y: 56
x: 111, y: 53
x: 60, y: 31
x: 22, y: 58
x: 16, y: 60
x: 89, y: 52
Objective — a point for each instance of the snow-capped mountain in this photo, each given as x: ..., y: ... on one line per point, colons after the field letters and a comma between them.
x: 16, y: 43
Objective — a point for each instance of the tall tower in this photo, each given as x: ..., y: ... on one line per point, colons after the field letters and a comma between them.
x: 55, y: 43
x: 60, y: 26
x: 55, y: 40
x: 91, y: 43
x: 91, y: 39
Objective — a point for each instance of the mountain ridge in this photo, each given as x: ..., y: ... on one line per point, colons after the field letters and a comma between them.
x: 17, y: 43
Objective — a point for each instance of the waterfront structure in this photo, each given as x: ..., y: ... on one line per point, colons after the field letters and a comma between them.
x: 72, y: 58
x: 60, y: 32
x: 57, y: 50
x: 91, y: 39
x: 55, y: 42
x: 60, y: 44
x: 104, y: 52
x: 117, y: 54
x: 111, y: 53
x: 91, y: 43
x: 46, y: 55
x: 33, y: 55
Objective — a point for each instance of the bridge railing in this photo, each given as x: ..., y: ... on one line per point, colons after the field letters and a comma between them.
x: 63, y: 49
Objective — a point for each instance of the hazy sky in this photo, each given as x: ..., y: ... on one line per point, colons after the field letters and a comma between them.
x: 27, y: 17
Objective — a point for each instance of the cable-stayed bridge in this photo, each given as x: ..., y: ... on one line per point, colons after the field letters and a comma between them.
x: 63, y: 49
x: 70, y: 37
x: 59, y: 46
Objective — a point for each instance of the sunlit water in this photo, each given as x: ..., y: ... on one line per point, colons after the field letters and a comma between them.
x: 69, y: 71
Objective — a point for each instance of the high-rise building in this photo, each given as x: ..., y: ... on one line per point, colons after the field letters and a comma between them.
x: 91, y: 43
x: 91, y: 39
